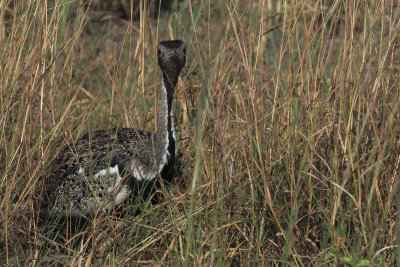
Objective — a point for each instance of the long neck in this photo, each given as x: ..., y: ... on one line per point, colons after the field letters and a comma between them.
x: 165, y: 136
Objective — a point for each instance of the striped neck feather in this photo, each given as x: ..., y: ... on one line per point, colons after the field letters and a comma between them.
x: 165, y: 136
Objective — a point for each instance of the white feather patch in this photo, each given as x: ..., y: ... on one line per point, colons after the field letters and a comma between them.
x: 111, y: 172
x: 173, y: 128
x: 88, y: 204
x: 81, y: 171
x: 119, y: 192
x: 141, y: 173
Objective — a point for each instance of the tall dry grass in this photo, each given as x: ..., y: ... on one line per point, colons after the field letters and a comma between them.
x: 288, y: 127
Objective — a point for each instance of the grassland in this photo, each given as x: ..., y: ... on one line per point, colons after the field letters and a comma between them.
x: 288, y: 127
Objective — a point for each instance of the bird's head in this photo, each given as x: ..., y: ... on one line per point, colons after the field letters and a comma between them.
x: 171, y: 56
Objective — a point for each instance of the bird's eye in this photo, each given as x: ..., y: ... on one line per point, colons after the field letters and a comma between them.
x: 158, y: 51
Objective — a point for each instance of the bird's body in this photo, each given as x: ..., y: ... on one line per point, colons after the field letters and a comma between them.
x: 103, y: 168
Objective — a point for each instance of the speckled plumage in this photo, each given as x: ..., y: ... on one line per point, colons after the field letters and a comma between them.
x: 102, y: 148
x: 104, y: 167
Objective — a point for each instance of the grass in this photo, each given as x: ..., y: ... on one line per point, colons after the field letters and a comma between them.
x: 288, y: 126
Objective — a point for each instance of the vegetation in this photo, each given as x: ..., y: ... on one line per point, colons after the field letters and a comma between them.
x: 288, y: 125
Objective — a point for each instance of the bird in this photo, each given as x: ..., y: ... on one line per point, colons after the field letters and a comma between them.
x: 105, y: 167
